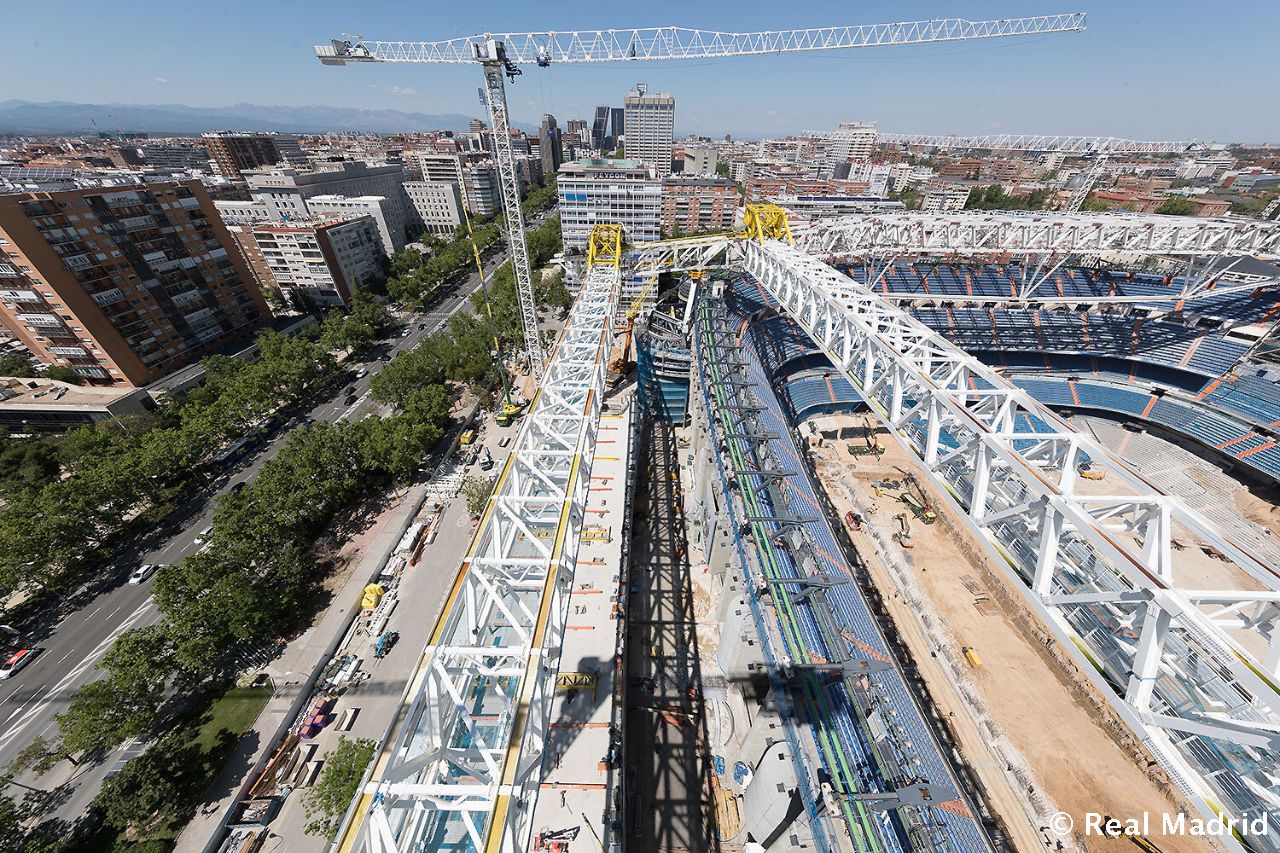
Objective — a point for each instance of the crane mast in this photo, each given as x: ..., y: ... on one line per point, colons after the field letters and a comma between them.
x: 492, y: 58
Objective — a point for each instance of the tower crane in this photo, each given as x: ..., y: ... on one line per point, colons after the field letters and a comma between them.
x: 501, y: 55
x: 491, y: 806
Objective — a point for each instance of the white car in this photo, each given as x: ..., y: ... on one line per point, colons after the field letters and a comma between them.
x: 17, y: 661
x: 142, y: 573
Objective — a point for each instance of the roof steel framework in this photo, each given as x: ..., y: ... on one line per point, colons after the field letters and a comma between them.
x: 1191, y: 671
x: 1132, y: 234
x: 1040, y: 142
x: 465, y: 766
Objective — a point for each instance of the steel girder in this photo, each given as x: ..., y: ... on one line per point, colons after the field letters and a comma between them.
x: 631, y: 44
x: 466, y: 765
x: 1133, y: 234
x: 683, y: 255
x: 1046, y: 143
x: 1191, y: 671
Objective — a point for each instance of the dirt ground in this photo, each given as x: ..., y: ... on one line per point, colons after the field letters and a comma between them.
x: 1055, y: 738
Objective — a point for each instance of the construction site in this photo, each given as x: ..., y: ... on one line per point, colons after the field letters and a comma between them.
x: 822, y: 535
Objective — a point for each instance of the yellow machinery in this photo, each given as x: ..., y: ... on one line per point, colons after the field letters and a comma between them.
x: 917, y: 501
x: 767, y: 220
x: 1089, y: 473
x: 903, y: 535
x: 604, y: 246
x: 971, y: 656
x: 620, y: 361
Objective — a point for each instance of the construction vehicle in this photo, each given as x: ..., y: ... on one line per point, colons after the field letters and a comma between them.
x: 508, y: 413
x: 869, y: 447
x: 903, y: 535
x: 1088, y: 472
x: 853, y: 520
x: 971, y: 656
x: 620, y: 361
x: 917, y: 501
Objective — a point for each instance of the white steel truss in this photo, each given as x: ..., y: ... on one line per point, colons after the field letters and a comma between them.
x: 495, y: 99
x: 683, y: 255
x: 1191, y: 671
x: 685, y: 43
x: 1131, y: 234
x: 1029, y: 142
x: 466, y: 764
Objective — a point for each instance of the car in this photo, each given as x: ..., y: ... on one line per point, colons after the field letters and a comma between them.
x: 361, y: 373
x: 351, y: 389
x: 406, y: 332
x: 422, y: 327
x: 350, y: 400
x: 143, y: 572
x: 17, y: 661
x: 238, y: 487
x: 204, y: 534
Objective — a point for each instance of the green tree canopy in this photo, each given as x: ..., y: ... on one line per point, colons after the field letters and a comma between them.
x: 326, y: 802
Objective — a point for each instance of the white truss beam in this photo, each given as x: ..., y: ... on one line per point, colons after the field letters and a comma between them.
x: 466, y: 764
x: 654, y: 43
x: 1131, y: 234
x: 1099, y: 569
x: 1039, y: 142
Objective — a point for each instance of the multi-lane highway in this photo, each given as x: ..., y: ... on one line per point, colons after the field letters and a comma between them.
x: 72, y: 648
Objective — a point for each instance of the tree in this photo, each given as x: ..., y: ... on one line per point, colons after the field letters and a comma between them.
x: 156, y: 786
x: 326, y: 802
x: 477, y: 491
x: 722, y: 169
x: 12, y: 364
x: 1094, y: 205
x: 61, y: 373
x: 1177, y: 206
x: 554, y: 293
x: 102, y: 715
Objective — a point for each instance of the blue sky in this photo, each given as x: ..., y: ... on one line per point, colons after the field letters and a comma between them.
x: 1145, y: 68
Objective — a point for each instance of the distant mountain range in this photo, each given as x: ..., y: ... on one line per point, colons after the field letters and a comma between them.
x: 67, y: 117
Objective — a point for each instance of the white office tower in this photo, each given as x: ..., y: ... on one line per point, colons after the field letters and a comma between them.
x: 852, y: 141
x: 650, y: 122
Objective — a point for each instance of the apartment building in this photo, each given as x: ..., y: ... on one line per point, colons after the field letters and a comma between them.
x: 700, y: 160
x: 435, y: 207
x: 123, y: 284
x: 483, y: 191
x: 852, y: 141
x: 379, y: 208
x: 692, y: 205
x: 650, y: 121
x: 944, y: 199
x: 436, y: 168
x: 164, y: 155
x: 287, y: 192
x: 312, y: 263
x: 234, y: 153
x: 623, y: 191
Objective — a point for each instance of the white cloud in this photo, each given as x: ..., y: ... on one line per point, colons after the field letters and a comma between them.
x: 401, y: 90
x: 161, y: 79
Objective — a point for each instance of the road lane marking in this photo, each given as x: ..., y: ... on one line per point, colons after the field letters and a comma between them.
x: 90, y: 660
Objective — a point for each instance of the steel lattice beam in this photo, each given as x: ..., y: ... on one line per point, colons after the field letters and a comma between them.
x: 466, y: 764
x: 652, y: 43
x: 1132, y: 234
x: 1100, y: 569
x: 1045, y: 143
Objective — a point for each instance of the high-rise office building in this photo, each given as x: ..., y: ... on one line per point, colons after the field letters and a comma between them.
x: 621, y: 191
x: 617, y: 124
x: 650, y: 123
x: 122, y: 284
x: 600, y: 128
x: 577, y: 130
x: 435, y: 206
x: 233, y: 153
x: 549, y: 144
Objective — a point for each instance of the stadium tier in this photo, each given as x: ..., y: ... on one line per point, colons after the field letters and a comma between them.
x: 1187, y: 378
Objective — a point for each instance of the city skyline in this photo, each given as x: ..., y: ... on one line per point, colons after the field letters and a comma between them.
x: 965, y: 89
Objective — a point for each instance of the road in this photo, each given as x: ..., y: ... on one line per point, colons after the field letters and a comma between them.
x: 72, y: 649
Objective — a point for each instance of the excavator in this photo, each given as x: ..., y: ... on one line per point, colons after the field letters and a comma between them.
x: 917, y: 501
x: 620, y: 362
